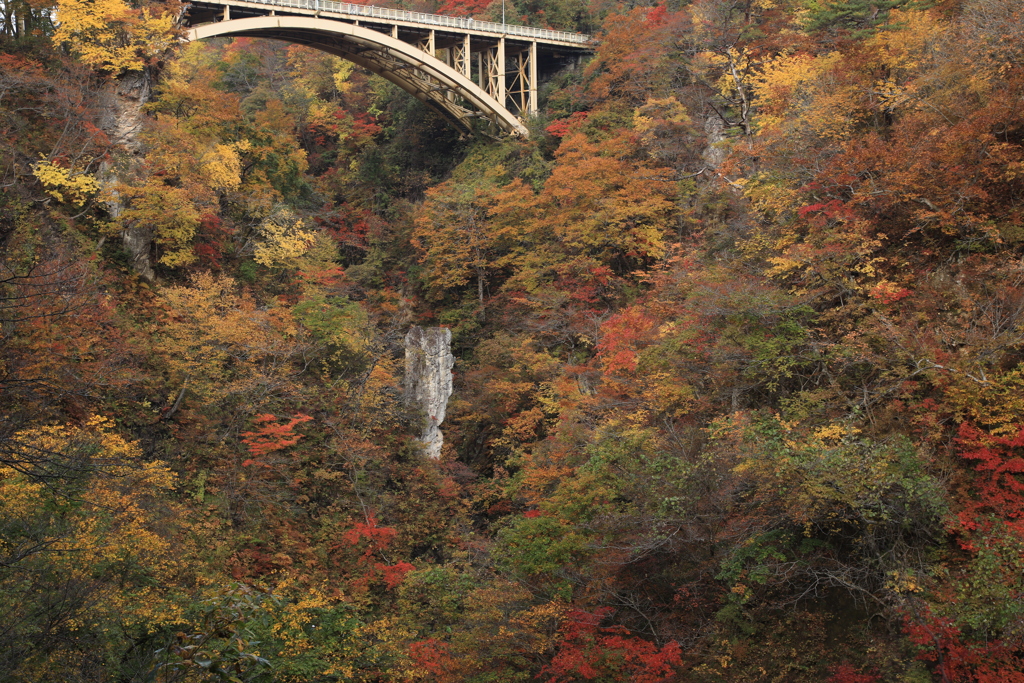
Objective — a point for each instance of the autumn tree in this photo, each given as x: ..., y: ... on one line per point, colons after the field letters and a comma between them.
x: 87, y: 559
x: 113, y: 35
x: 456, y: 238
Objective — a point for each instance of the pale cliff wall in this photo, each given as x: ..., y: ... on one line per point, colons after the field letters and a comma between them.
x: 428, y: 380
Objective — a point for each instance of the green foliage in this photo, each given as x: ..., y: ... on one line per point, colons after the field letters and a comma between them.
x: 85, y: 549
x: 878, y: 483
x: 223, y: 644
x: 860, y: 17
x: 837, y: 511
x: 984, y: 598
x: 340, y: 326
x: 542, y: 547
x: 242, y: 634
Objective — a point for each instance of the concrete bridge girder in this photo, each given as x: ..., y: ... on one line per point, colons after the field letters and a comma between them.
x: 408, y: 66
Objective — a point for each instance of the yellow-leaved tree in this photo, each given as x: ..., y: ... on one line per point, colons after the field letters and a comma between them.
x: 220, y: 347
x: 112, y: 35
x: 284, y: 239
x: 169, y: 213
x: 85, y: 546
x: 65, y: 184
x: 173, y: 213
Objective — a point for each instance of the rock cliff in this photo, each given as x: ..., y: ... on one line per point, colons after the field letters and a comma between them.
x: 124, y: 116
x: 428, y: 380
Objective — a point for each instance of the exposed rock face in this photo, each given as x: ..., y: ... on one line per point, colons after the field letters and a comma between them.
x: 124, y: 114
x: 123, y: 119
x: 714, y: 153
x: 428, y: 380
x: 137, y: 241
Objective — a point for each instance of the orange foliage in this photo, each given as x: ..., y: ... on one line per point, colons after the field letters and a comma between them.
x: 270, y: 437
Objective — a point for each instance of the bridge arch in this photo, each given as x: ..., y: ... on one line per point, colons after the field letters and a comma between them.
x: 419, y: 73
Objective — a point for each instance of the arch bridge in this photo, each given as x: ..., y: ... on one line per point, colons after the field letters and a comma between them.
x: 464, y: 69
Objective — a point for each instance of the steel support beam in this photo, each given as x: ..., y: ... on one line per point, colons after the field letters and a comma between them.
x: 534, y: 105
x: 494, y: 64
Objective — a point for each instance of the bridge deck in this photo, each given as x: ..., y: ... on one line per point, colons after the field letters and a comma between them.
x: 366, y: 14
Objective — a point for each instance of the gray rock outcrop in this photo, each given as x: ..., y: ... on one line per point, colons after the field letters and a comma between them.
x: 124, y: 116
x: 428, y: 380
x: 714, y: 130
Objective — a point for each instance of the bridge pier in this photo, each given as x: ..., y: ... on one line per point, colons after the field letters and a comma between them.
x: 427, y: 42
x: 457, y: 55
x: 494, y: 59
x: 461, y: 60
x: 522, y: 86
x: 534, y: 83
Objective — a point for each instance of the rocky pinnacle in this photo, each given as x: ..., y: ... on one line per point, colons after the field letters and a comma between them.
x: 428, y: 380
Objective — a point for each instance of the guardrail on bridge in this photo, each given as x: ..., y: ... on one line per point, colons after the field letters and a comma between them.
x: 465, y: 23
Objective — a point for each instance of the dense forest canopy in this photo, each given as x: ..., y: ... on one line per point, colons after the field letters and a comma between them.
x: 739, y: 333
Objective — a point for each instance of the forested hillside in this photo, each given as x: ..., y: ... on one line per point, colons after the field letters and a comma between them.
x: 739, y: 329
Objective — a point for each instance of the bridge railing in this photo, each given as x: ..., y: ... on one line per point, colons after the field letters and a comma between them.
x: 431, y: 19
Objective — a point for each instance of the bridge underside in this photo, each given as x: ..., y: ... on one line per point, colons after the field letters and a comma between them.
x: 464, y: 77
